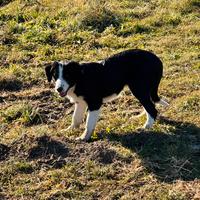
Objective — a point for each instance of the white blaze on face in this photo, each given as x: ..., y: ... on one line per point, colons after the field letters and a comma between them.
x: 60, y: 82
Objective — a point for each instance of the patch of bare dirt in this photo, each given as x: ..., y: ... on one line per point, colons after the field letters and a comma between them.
x: 52, y: 152
x: 48, y: 152
x: 46, y: 146
x: 45, y: 151
x: 104, y: 155
x: 19, y: 147
x: 49, y: 108
x: 99, y: 151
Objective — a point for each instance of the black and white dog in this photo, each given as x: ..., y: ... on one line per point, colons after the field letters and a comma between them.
x: 89, y: 85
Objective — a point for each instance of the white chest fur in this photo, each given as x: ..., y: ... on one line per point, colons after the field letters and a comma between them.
x: 73, y: 97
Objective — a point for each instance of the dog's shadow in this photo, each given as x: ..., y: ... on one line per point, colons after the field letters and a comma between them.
x: 170, y: 156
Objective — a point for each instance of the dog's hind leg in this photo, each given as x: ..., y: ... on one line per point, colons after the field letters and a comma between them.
x: 149, y: 122
x: 143, y: 96
x: 151, y: 112
x: 161, y: 102
x: 154, y: 95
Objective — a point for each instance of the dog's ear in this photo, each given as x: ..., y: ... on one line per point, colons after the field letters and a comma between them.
x: 49, y: 69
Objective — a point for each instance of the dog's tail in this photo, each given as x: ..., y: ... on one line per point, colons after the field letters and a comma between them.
x: 163, y: 102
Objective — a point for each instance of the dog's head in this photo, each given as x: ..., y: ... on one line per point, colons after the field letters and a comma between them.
x: 65, y: 75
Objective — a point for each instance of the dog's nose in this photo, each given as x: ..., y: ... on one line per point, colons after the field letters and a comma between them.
x: 60, y: 89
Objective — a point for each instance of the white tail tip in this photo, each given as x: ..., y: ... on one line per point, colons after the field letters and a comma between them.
x: 163, y: 103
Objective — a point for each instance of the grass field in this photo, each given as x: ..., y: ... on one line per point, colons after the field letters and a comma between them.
x: 38, y: 160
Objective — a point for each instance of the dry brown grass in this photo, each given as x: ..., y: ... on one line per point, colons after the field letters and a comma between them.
x: 39, y: 160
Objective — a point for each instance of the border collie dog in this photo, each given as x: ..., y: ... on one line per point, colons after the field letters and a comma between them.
x: 89, y: 85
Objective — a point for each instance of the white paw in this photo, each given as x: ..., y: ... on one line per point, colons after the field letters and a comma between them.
x: 80, y: 139
x: 149, y: 123
x: 148, y: 126
x: 83, y: 137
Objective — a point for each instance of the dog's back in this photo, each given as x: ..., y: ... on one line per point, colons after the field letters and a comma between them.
x: 135, y: 60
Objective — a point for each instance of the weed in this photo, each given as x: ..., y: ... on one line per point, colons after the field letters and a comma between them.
x: 15, y: 27
x: 129, y: 29
x: 166, y: 19
x: 99, y: 17
x: 20, y: 18
x: 5, y: 17
x: 40, y: 36
x: 48, y: 23
x: 24, y: 113
x: 24, y: 167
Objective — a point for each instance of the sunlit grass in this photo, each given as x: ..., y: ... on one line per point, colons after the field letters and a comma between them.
x: 121, y: 161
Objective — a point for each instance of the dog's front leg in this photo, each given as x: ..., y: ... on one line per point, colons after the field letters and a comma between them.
x: 92, y: 118
x: 78, y: 115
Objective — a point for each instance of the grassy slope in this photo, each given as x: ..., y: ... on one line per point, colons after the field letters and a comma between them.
x: 40, y: 161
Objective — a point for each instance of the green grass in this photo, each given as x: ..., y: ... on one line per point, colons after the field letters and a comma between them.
x: 23, y: 113
x: 40, y: 160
